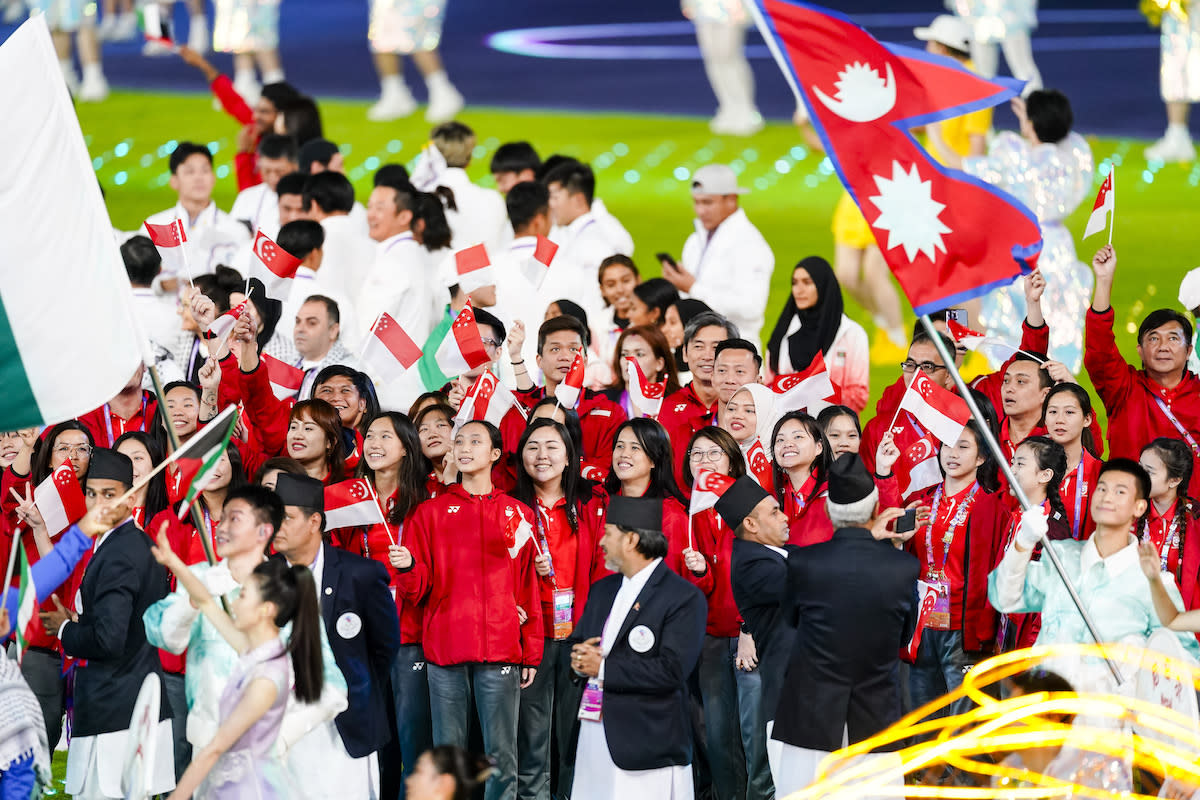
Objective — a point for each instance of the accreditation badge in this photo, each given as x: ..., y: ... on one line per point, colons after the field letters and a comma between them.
x: 593, y: 697
x: 564, y: 607
x: 939, y: 618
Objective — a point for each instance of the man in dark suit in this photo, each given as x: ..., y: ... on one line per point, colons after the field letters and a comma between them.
x: 120, y: 582
x: 638, y: 640
x: 853, y: 601
x: 364, y: 634
x: 758, y: 575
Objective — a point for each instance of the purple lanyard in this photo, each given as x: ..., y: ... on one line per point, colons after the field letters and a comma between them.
x: 1178, y: 425
x: 955, y: 522
x: 108, y: 421
x: 1078, y: 518
x: 543, y: 515
x: 917, y: 427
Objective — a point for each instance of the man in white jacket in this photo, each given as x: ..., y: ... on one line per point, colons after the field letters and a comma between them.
x: 726, y: 263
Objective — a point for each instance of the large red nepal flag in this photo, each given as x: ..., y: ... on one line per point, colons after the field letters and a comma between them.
x: 947, y: 237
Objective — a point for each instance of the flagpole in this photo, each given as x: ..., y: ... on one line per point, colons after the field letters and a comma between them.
x: 1112, y: 217
x: 773, y: 46
x: 382, y: 516
x: 1014, y: 486
x: 690, y: 546
x: 12, y: 563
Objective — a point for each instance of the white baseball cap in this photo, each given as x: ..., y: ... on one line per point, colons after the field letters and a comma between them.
x: 715, y: 179
x: 1189, y: 290
x: 953, y: 32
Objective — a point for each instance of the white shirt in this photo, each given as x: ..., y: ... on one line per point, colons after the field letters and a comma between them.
x: 584, y: 244
x: 733, y: 271
x: 481, y: 215
x: 213, y: 237
x: 400, y: 282
x: 627, y: 595
x: 348, y: 255
x: 308, y: 283
x: 259, y: 207
x: 160, y: 321
x: 613, y: 229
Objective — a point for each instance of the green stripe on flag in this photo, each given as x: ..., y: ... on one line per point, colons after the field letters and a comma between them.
x: 18, y: 405
x: 209, y: 459
x: 26, y: 604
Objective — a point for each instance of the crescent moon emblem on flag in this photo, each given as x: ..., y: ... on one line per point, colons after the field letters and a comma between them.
x: 264, y: 248
x: 358, y: 491
x: 862, y: 96
x: 923, y: 449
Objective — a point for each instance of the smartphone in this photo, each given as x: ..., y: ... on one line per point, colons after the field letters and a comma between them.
x: 907, y: 522
x: 665, y: 258
x: 959, y: 315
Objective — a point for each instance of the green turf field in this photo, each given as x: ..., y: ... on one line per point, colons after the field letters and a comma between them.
x: 643, y: 164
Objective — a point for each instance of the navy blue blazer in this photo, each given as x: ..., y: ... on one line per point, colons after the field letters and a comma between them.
x: 645, y: 707
x: 121, y: 581
x: 364, y: 634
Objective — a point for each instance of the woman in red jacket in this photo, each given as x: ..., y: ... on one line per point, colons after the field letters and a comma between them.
x: 642, y: 466
x: 569, y: 521
x: 956, y: 561
x: 733, y: 753
x: 146, y: 454
x: 435, y: 428
x: 314, y: 438
x: 1067, y: 417
x: 468, y: 555
x: 1170, y: 523
x: 800, y: 458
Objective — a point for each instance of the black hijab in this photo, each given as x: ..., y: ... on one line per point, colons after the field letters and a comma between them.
x: 818, y: 325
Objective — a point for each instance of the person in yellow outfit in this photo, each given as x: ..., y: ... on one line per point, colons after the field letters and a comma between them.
x: 859, y: 264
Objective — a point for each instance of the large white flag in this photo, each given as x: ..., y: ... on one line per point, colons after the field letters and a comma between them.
x: 61, y: 263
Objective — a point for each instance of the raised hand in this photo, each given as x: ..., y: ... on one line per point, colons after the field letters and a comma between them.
x: 1149, y: 560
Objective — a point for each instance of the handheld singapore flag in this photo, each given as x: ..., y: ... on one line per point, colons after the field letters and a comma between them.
x: 59, y: 251
x: 536, y: 267
x: 274, y: 266
x: 389, y: 351
x: 462, y: 348
x: 947, y: 237
x: 1106, y: 205
x: 59, y: 499
x: 286, y: 380
x: 350, y: 504
x: 645, y: 397
x: 488, y: 400
x: 199, y: 458
x: 474, y: 268
x: 170, y: 240
x: 941, y: 411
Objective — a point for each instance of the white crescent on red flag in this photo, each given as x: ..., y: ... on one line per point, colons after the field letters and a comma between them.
x: 707, y: 490
x: 487, y: 399
x: 570, y: 390
x: 918, y: 468
x: 274, y: 266
x: 646, y: 397
x: 59, y: 499
x: 941, y: 411
x: 350, y: 504
x: 462, y: 349
x: 1106, y: 203
x: 947, y: 237
x: 799, y: 391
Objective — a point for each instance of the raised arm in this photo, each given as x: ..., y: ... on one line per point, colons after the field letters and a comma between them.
x: 200, y: 595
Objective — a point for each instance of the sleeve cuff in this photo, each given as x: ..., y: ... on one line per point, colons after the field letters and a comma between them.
x: 600, y: 673
x: 62, y: 628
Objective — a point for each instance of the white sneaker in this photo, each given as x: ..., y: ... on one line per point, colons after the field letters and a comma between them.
x: 1171, y: 148
x: 94, y: 89
x: 738, y: 123
x: 392, y: 105
x: 720, y: 120
x: 13, y: 12
x: 126, y: 28
x: 198, y: 38
x: 154, y: 49
x: 444, y: 104
x: 107, y: 29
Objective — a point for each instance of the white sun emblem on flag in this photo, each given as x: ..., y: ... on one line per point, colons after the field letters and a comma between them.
x: 909, y: 213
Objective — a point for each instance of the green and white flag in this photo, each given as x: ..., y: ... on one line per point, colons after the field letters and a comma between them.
x: 197, y: 459
x: 29, y: 624
x: 68, y: 341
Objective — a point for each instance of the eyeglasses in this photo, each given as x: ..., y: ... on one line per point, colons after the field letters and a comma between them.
x: 928, y: 367
x: 700, y: 456
x: 490, y: 343
x: 69, y: 450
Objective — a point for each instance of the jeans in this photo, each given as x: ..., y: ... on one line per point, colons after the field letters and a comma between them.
x: 754, y: 734
x: 496, y: 689
x: 548, y: 709
x: 43, y: 672
x: 176, y: 691
x: 718, y: 690
x: 939, y: 668
x: 410, y: 693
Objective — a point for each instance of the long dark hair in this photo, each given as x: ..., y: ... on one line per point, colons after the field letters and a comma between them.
x: 987, y: 472
x: 820, y: 465
x: 469, y: 770
x: 40, y: 466
x: 1085, y: 405
x: 721, y: 438
x: 294, y: 594
x: 1051, y: 455
x: 575, y: 488
x: 237, y: 476
x: 330, y: 422
x: 156, y: 489
x: 413, y: 467
x: 429, y: 209
x: 658, y: 345
x: 1177, y: 458
x: 657, y: 446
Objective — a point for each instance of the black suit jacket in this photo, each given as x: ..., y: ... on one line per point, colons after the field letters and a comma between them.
x: 121, y: 581
x: 354, y: 591
x: 645, y: 710
x: 759, y: 580
x: 855, y: 601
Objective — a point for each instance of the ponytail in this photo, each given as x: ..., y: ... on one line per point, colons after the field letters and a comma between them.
x: 294, y: 593
x: 1050, y: 455
x: 469, y: 770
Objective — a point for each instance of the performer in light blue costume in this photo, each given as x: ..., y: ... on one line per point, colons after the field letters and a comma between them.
x: 1048, y: 168
x: 1007, y: 23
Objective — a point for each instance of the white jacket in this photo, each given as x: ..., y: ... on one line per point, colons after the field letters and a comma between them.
x: 733, y: 271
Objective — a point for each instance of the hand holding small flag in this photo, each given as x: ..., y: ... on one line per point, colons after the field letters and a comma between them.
x: 1105, y: 205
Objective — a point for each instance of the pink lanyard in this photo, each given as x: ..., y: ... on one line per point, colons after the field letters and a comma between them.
x: 948, y: 537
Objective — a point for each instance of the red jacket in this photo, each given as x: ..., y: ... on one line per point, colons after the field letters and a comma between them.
x: 682, y: 415
x: 140, y: 421
x: 1129, y: 395
x: 714, y: 540
x: 810, y: 524
x: 469, y: 582
x: 589, y: 558
x: 246, y: 164
x: 599, y: 419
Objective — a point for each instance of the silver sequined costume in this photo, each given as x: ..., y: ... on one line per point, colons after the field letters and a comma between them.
x: 406, y: 26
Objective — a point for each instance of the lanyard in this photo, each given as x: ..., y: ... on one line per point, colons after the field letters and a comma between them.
x: 1162, y: 406
x: 948, y: 537
x: 920, y: 431
x: 543, y: 516
x: 1170, y: 540
x: 108, y: 422
x: 1077, y: 520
